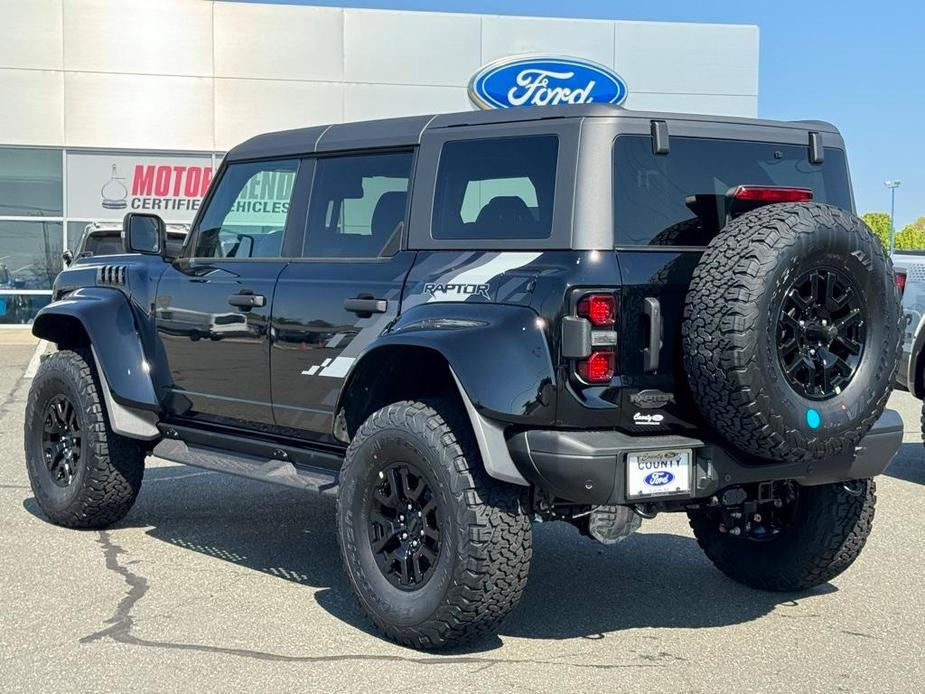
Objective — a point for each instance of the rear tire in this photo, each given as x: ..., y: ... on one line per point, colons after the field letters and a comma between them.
x: 82, y: 474
x: 476, y: 529
x: 828, y: 530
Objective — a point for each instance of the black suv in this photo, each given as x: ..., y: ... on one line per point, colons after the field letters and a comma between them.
x: 466, y: 322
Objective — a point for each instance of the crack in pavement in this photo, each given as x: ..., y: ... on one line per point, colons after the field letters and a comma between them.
x: 121, y: 625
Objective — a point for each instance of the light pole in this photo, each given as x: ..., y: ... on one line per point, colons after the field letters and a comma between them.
x: 892, y: 185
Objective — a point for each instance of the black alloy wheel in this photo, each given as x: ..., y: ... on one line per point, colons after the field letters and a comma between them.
x: 404, y: 530
x: 61, y: 440
x: 821, y: 332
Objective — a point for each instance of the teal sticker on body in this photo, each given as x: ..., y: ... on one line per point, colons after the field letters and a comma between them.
x: 813, y: 419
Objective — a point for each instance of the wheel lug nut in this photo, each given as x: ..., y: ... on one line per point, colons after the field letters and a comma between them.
x: 401, y: 518
x: 404, y: 536
x: 422, y: 533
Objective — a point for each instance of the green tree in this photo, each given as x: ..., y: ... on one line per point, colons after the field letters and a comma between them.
x: 879, y: 222
x: 912, y: 236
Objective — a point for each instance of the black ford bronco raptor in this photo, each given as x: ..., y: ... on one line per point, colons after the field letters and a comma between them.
x: 463, y: 323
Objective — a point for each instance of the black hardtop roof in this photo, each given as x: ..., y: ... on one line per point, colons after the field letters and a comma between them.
x: 407, y: 131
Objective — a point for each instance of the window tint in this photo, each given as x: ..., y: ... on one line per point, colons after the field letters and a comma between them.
x: 502, y: 188
x: 246, y: 216
x: 357, y: 204
x: 678, y: 199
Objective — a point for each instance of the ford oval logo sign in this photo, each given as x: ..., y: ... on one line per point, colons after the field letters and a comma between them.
x: 658, y: 478
x: 545, y: 81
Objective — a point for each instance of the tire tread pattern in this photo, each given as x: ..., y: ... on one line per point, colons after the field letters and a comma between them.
x: 830, y: 536
x: 495, y: 547
x: 114, y: 464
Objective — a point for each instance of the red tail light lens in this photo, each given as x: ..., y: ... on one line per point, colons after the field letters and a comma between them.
x: 772, y: 194
x: 901, y: 281
x: 598, y: 368
x: 600, y: 309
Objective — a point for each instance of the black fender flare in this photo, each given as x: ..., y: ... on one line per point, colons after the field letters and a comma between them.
x: 124, y: 371
x: 500, y: 360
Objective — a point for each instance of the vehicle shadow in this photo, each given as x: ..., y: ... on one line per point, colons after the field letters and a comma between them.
x: 909, y: 464
x: 577, y: 588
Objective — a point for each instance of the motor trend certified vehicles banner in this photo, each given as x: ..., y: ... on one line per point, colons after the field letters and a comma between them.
x: 263, y: 201
x: 106, y: 186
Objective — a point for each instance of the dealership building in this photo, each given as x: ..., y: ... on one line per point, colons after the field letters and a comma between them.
x: 113, y: 106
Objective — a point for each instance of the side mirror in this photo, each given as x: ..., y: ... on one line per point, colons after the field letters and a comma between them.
x: 144, y: 233
x: 67, y: 257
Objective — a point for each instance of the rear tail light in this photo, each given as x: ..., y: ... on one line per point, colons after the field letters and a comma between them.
x: 900, y: 281
x: 771, y: 194
x: 597, y: 368
x: 600, y: 309
x: 596, y: 365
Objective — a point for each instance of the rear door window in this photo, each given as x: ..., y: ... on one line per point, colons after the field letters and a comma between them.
x: 678, y: 199
x: 358, y: 205
x: 497, y: 188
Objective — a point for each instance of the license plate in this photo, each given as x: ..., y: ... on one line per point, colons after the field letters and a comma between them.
x: 658, y: 473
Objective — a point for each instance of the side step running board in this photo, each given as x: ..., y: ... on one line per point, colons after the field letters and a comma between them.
x: 258, y: 468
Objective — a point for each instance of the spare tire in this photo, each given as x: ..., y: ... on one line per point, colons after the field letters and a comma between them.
x: 791, y: 332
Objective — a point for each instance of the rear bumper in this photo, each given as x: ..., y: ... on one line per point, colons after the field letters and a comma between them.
x: 589, y: 467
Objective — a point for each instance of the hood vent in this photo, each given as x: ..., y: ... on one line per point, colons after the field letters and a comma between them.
x: 111, y: 275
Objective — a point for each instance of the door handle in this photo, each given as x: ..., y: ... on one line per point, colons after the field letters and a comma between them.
x: 365, y: 306
x: 653, y: 309
x: 247, y: 300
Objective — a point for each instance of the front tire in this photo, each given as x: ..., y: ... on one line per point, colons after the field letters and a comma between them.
x: 82, y: 474
x: 412, y: 474
x: 826, y: 532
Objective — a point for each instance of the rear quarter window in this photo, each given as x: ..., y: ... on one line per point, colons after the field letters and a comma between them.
x: 653, y: 194
x: 496, y: 188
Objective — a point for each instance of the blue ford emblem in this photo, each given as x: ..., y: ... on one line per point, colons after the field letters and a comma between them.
x: 545, y: 81
x: 658, y: 478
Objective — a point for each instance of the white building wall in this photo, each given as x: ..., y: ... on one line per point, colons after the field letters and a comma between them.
x: 201, y: 76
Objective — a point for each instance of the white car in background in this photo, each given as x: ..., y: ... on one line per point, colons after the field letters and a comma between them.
x: 910, y: 278
x: 106, y: 239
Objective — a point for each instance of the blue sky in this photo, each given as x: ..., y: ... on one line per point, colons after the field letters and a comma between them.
x: 860, y: 65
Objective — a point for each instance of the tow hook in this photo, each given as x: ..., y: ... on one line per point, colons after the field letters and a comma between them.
x: 854, y: 487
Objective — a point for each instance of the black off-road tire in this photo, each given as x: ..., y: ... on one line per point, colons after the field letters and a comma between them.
x: 486, y: 537
x: 922, y: 423
x: 731, y: 324
x: 110, y: 467
x: 827, y: 533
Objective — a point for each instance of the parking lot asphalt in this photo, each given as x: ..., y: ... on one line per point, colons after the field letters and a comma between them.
x: 214, y: 583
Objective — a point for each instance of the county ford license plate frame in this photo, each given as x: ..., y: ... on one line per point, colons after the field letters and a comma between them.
x: 646, y: 469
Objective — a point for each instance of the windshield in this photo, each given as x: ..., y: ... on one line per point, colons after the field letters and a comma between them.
x: 678, y: 199
x: 103, y: 244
